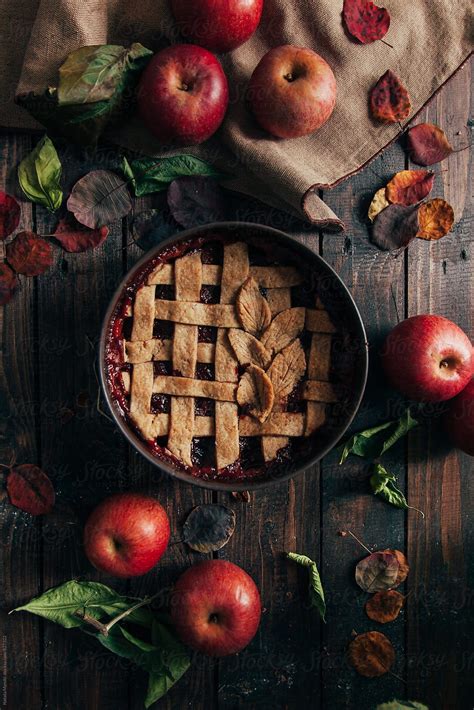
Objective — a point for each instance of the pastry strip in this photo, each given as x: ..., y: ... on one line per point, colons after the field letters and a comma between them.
x: 214, y: 314
x: 318, y: 321
x: 320, y: 357
x: 146, y: 350
x: 265, y: 276
x: 187, y: 387
x: 144, y: 310
x: 319, y: 391
x: 140, y: 398
x: 279, y: 299
x: 278, y: 424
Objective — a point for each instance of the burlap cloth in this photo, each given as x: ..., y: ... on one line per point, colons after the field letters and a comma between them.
x: 430, y: 38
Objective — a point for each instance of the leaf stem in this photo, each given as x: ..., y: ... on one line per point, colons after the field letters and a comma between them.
x: 359, y: 541
x: 104, y: 629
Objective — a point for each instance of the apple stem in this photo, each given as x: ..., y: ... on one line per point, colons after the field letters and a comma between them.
x: 104, y: 629
x: 360, y: 542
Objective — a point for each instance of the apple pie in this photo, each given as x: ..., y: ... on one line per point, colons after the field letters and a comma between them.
x: 219, y: 356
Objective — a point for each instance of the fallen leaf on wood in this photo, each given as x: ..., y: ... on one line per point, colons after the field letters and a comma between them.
x: 377, y: 572
x: 365, y: 21
x: 384, y: 484
x: 389, y: 99
x: 149, y: 175
x: 255, y: 392
x: 209, y: 527
x: 252, y: 308
x: 39, y: 175
x: 150, y: 227
x: 99, y: 198
x: 9, y: 215
x: 30, y: 489
x: 403, y: 566
x: 409, y: 187
x: 371, y: 654
x: 8, y: 284
x: 316, y: 591
x: 384, y: 606
x: 435, y: 219
x: 77, y: 238
x: 428, y: 144
x: 196, y: 200
x: 372, y: 443
x: 402, y: 705
x: 29, y: 254
x: 378, y: 203
x: 395, y: 227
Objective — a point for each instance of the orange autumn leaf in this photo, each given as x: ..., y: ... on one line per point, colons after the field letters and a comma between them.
x: 409, y: 187
x: 371, y: 654
x: 435, y: 219
x: 384, y: 606
x: 428, y: 144
x: 389, y: 99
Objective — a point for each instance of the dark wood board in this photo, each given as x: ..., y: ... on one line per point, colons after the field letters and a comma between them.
x: 49, y: 416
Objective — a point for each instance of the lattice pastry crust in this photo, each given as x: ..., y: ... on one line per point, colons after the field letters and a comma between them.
x: 258, y: 358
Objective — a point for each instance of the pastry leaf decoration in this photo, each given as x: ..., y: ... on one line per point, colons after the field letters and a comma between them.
x: 253, y: 310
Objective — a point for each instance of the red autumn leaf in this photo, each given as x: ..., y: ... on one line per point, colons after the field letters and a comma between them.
x: 384, y: 606
x: 8, y: 284
x: 389, y: 99
x: 428, y: 144
x: 371, y: 654
x: 365, y: 21
x: 9, y: 214
x: 395, y: 227
x: 29, y: 254
x: 76, y: 238
x: 30, y: 489
x: 409, y: 187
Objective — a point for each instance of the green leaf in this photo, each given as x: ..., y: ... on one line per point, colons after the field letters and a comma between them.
x: 142, y: 645
x: 402, y: 705
x: 372, y: 443
x: 174, y: 660
x: 116, y: 73
x: 60, y: 603
x: 155, y: 174
x: 39, y: 175
x: 316, y: 591
x: 384, y: 484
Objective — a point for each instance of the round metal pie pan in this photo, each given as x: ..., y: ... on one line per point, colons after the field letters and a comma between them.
x: 352, y: 349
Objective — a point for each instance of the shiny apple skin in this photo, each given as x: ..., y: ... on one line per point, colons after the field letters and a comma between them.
x: 428, y: 358
x: 292, y: 91
x: 458, y: 421
x: 183, y: 95
x: 218, y: 25
x: 126, y: 534
x: 216, y: 607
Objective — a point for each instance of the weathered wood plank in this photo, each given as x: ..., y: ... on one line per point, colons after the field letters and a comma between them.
x: 441, y: 280
x: 21, y: 534
x: 376, y: 280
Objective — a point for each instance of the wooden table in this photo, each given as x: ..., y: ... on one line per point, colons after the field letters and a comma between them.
x: 50, y: 417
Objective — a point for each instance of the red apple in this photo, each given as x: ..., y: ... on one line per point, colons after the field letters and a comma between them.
x: 428, y: 358
x: 183, y: 95
x: 292, y: 91
x: 216, y: 607
x: 126, y: 534
x: 219, y: 25
x: 458, y: 421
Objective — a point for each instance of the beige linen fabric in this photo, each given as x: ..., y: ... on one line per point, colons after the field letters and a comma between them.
x: 430, y: 39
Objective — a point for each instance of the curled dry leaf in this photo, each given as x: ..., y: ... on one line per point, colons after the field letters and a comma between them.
x: 8, y: 284
x: 209, y: 527
x: 99, y: 198
x: 378, y: 203
x: 428, y: 144
x: 395, y: 227
x: 196, y: 200
x: 29, y: 254
x: 9, y: 214
x: 389, y: 99
x: 253, y: 310
x: 409, y: 187
x: 377, y: 572
x: 287, y: 369
x: 283, y: 329
x: 384, y: 606
x: 435, y: 219
x: 77, y: 238
x: 255, y: 393
x: 248, y: 350
x: 30, y: 489
x: 403, y: 566
x: 371, y: 654
x: 365, y: 21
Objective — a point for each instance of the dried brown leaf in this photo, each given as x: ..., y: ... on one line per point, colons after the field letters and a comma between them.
x: 253, y: 310
x: 371, y: 654
x: 378, y: 572
x: 384, y: 606
x: 403, y: 566
x: 389, y: 99
x: 395, y: 227
x: 428, y: 144
x: 435, y: 219
x: 255, y: 392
